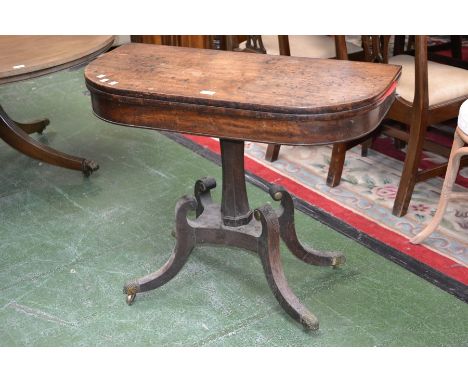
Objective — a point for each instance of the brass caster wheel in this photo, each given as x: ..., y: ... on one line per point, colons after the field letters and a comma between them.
x: 130, y: 298
x: 88, y: 167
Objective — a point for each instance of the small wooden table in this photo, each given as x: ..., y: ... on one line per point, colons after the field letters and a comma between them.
x: 237, y: 97
x: 25, y: 57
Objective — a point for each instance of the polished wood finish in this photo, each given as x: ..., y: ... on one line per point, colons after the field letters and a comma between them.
x: 26, y: 57
x: 418, y: 116
x: 165, y: 88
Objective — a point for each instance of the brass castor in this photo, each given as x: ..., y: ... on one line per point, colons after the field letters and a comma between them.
x: 131, y: 298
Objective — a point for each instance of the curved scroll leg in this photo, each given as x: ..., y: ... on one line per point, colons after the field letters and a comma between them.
x: 452, y: 169
x: 33, y: 126
x: 288, y: 233
x: 202, y: 193
x: 268, y: 249
x: 19, y: 139
x: 184, y: 244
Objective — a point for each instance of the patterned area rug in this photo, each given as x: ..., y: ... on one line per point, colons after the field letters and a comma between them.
x: 369, y: 186
x: 363, y: 201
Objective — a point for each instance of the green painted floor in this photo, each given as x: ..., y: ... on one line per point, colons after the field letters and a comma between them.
x: 68, y: 244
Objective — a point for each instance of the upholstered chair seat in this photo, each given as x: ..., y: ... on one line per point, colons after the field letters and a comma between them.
x: 306, y: 46
x: 445, y: 82
x: 428, y: 94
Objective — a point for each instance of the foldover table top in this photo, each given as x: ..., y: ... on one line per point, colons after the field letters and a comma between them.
x: 237, y: 97
x: 296, y: 97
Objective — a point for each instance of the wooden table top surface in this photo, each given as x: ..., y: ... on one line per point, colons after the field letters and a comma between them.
x: 257, y: 82
x: 30, y: 56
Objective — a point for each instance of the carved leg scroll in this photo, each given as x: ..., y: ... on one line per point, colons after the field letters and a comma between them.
x: 268, y: 249
x: 231, y: 224
x: 185, y: 241
x: 202, y: 193
x: 289, y: 236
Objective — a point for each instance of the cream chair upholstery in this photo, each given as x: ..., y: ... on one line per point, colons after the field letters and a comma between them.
x: 306, y: 46
x: 428, y: 93
x: 445, y: 82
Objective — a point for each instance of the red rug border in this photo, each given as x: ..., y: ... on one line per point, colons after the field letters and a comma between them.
x: 399, y: 242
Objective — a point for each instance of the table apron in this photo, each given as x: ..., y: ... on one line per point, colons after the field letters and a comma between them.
x: 237, y: 124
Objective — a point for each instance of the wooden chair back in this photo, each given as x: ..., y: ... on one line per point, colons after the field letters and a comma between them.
x: 417, y: 115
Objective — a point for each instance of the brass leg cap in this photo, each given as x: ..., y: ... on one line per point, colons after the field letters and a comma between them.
x: 130, y: 298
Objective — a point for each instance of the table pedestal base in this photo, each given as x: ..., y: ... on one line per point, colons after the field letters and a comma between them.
x: 16, y: 135
x: 260, y: 235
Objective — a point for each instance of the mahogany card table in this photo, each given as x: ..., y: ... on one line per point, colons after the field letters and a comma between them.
x: 239, y: 97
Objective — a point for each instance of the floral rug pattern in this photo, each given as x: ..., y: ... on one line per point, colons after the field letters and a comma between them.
x: 368, y: 188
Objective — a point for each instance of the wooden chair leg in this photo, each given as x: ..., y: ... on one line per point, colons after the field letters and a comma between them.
x: 272, y: 152
x: 336, y: 164
x: 410, y: 168
x: 456, y: 43
x: 451, y: 175
x: 399, y: 45
x: 365, y: 146
x: 399, y: 144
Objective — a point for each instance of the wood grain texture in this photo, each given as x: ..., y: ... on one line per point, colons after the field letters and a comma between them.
x: 30, y: 56
x: 256, y: 97
x: 253, y: 82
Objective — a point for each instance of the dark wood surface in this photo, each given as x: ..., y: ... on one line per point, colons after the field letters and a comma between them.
x: 273, y: 150
x: 274, y: 99
x: 24, y: 57
x: 254, y: 97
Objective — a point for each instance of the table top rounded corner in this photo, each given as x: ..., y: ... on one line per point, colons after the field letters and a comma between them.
x: 234, y: 80
x: 26, y: 56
